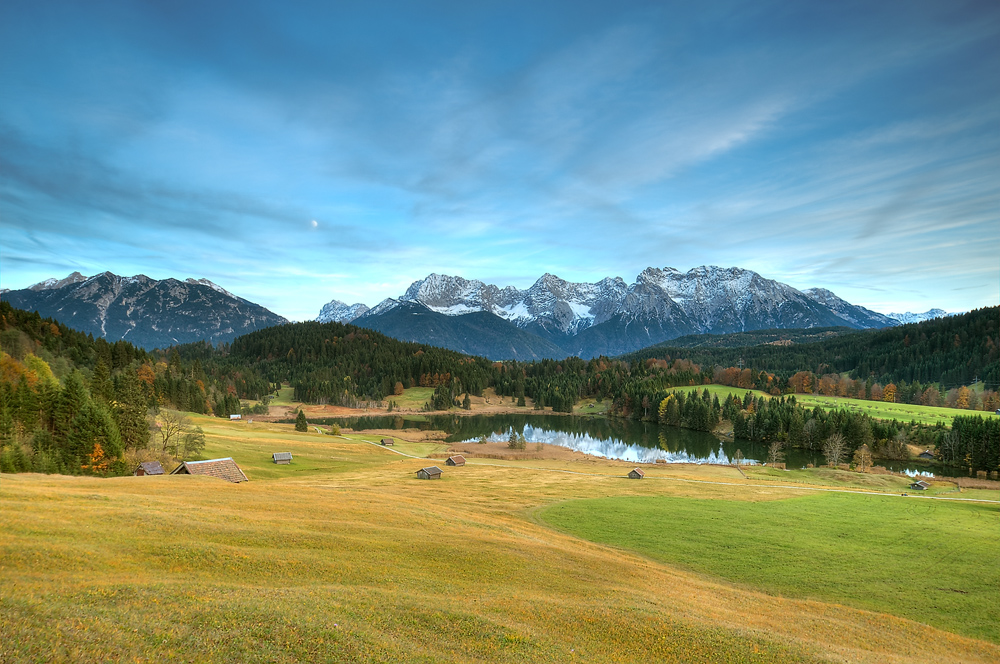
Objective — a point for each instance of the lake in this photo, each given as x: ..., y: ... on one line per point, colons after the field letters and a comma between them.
x: 628, y: 440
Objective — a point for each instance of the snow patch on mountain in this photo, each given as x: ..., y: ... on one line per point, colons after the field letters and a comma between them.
x: 206, y: 282
x: 48, y: 284
x: 908, y: 317
x: 661, y: 303
x: 853, y: 314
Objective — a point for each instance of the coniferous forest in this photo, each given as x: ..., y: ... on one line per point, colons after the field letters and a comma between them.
x: 71, y: 403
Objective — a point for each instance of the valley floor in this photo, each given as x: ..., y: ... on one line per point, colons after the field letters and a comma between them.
x: 345, y: 556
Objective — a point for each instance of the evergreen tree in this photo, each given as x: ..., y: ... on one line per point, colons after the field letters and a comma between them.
x: 130, y: 411
x: 101, y: 387
x: 300, y: 422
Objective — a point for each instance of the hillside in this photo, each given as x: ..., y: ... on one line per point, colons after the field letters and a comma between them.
x: 953, y: 351
x: 344, y: 555
x: 478, y: 333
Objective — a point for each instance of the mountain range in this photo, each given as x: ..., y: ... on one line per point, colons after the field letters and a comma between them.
x: 551, y: 319
x: 608, y: 317
x: 147, y: 312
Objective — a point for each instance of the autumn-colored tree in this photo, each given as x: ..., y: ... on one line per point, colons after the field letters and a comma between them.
x: 862, y: 459
x: 877, y: 392
x: 931, y: 397
x: 146, y: 374
x: 397, y: 389
x: 962, y: 400
x: 801, y: 382
x: 96, y: 461
x: 889, y: 393
x: 745, y: 380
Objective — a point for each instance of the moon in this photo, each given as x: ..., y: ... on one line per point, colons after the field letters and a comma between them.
x: 314, y: 223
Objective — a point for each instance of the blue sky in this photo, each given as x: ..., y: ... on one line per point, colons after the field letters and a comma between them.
x: 343, y: 150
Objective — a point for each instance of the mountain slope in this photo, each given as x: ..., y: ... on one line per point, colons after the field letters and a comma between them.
x: 477, y: 333
x: 144, y: 311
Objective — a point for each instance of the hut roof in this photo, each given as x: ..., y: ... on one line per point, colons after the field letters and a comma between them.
x: 150, y: 468
x: 225, y: 469
x: 921, y: 483
x: 431, y: 470
x: 457, y: 460
x: 638, y: 471
x: 388, y: 441
x: 282, y: 456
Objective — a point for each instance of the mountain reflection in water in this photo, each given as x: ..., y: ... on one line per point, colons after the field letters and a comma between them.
x: 628, y: 440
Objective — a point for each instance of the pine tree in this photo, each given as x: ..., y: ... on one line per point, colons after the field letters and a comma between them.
x: 101, y: 387
x: 300, y: 422
x: 130, y: 411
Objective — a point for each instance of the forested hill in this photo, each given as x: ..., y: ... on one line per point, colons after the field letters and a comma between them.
x: 956, y: 350
x: 336, y: 362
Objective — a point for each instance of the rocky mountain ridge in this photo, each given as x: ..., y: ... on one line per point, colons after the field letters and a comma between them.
x: 148, y: 312
x: 611, y: 317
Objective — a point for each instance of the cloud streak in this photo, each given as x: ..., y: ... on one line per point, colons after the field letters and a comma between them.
x: 836, y: 146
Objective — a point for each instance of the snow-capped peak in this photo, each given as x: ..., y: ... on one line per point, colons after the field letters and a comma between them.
x: 206, y: 282
x: 340, y: 312
x: 49, y: 284
x: 909, y: 317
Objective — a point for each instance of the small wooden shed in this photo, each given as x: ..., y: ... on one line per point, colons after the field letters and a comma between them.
x: 148, y: 468
x: 225, y: 469
x: 920, y: 485
x: 388, y: 441
x: 457, y: 460
x: 429, y: 473
x: 926, y: 454
x: 282, y: 458
x: 636, y: 474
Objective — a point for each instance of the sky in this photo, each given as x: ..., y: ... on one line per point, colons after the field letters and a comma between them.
x: 295, y: 153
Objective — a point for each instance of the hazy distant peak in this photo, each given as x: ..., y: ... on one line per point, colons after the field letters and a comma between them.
x: 49, y: 284
x: 336, y: 311
x: 910, y: 317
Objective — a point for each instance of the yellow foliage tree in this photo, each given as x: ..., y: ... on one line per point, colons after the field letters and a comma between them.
x: 889, y: 393
x: 963, y: 398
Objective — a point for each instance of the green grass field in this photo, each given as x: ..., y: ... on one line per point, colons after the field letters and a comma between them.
x: 413, y: 398
x: 344, y: 556
x: 877, y: 409
x: 930, y: 561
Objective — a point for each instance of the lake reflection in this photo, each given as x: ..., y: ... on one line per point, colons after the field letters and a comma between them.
x: 628, y: 440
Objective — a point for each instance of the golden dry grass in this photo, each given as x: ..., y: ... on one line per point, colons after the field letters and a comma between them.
x: 345, y: 556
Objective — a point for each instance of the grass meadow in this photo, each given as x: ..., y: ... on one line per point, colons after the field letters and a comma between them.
x: 344, y: 556
x: 877, y: 409
x: 935, y: 562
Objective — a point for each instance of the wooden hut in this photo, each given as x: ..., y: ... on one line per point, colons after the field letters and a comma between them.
x: 282, y: 458
x: 636, y: 474
x: 457, y: 460
x: 388, y: 441
x: 225, y: 469
x: 429, y: 473
x: 926, y: 454
x: 148, y: 468
x: 920, y: 485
